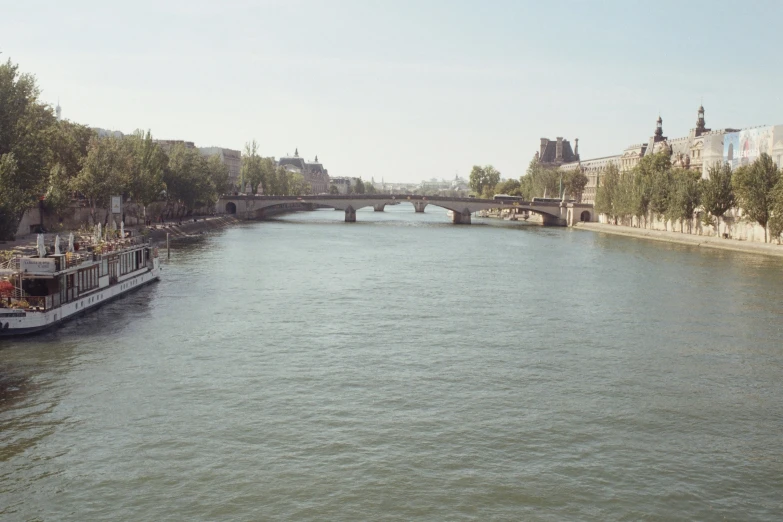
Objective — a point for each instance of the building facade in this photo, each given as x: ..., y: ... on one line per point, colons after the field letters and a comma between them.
x: 313, y: 172
x: 231, y: 158
x: 701, y: 149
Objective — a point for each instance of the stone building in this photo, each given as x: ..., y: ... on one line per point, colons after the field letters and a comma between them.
x: 231, y: 158
x: 313, y: 173
x: 556, y: 153
x: 167, y: 144
x: 698, y: 151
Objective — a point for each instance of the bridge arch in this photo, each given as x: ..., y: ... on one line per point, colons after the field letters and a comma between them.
x: 231, y: 208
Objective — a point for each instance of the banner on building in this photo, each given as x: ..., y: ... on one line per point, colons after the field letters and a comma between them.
x: 743, y: 147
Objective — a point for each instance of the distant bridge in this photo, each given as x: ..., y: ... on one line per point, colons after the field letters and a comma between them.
x: 257, y: 207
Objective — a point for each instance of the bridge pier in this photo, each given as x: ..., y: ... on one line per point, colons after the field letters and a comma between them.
x: 418, y: 206
x: 552, y: 221
x: 350, y: 215
x: 379, y: 207
x: 460, y: 218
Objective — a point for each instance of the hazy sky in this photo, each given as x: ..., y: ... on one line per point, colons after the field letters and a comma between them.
x: 402, y: 90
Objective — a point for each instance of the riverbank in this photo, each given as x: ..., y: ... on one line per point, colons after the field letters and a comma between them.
x: 685, y: 239
x: 190, y: 227
x: 180, y: 229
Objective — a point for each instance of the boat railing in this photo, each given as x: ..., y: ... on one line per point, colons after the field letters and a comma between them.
x: 32, y: 303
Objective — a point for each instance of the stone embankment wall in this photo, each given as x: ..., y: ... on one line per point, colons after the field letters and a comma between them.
x: 750, y: 247
x: 76, y: 217
x: 191, y: 227
x: 736, y: 227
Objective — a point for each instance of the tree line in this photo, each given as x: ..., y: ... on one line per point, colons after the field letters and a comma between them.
x: 258, y: 171
x: 45, y: 161
x: 654, y: 189
x: 49, y: 162
x: 538, y: 181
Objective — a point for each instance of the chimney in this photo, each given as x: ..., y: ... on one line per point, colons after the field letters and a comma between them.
x: 544, y: 143
x: 559, y: 149
x: 576, y: 147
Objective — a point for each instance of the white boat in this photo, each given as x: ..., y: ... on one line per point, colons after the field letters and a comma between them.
x: 37, y: 293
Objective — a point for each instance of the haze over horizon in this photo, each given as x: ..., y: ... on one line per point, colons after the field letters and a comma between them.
x: 402, y: 91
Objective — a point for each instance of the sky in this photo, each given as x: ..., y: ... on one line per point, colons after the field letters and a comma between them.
x: 402, y: 90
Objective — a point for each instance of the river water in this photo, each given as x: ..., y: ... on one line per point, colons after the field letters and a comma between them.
x: 403, y: 368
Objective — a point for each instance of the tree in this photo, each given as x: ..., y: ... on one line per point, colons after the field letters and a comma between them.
x: 684, y: 196
x: 252, y: 170
x: 58, y: 192
x: 25, y: 134
x: 661, y: 186
x: 717, y: 195
x: 776, y: 219
x: 358, y: 187
x: 574, y: 183
x: 219, y: 174
x: 482, y: 177
x: 188, y: 181
x: 508, y: 186
x: 370, y: 188
x: 333, y: 189
x: 539, y: 181
x: 148, y: 164
x: 13, y: 201
x: 298, y: 185
x: 606, y: 192
x: 107, y: 170
x: 753, y: 185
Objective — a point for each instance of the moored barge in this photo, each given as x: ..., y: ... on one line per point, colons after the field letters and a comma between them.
x: 37, y: 293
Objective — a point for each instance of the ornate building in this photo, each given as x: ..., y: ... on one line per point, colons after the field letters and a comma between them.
x: 314, y: 173
x: 699, y: 150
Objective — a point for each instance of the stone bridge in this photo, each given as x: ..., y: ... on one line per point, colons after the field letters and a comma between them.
x: 258, y: 207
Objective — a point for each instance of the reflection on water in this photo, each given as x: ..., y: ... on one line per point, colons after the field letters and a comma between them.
x: 404, y: 368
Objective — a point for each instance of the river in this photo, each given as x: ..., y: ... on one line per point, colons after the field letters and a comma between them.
x: 404, y: 368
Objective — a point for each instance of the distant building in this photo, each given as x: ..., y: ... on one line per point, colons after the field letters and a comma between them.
x: 104, y: 133
x: 231, y: 158
x: 343, y: 184
x: 699, y: 150
x: 167, y: 144
x: 313, y: 173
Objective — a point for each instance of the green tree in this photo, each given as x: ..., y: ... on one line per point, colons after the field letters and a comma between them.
x: 753, y: 185
x: 684, y: 197
x: 148, y: 165
x: 776, y: 219
x: 661, y: 186
x: 539, y: 181
x: 58, y: 191
x: 219, y: 174
x: 717, y: 194
x: 370, y: 188
x: 252, y: 170
x: 508, y: 186
x: 25, y: 135
x: 333, y: 189
x: 107, y: 170
x: 188, y: 181
x: 298, y: 185
x: 483, y: 177
x: 606, y: 192
x: 13, y: 201
x: 574, y: 183
x: 358, y: 187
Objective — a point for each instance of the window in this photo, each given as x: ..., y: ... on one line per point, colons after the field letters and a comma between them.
x: 87, y: 279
